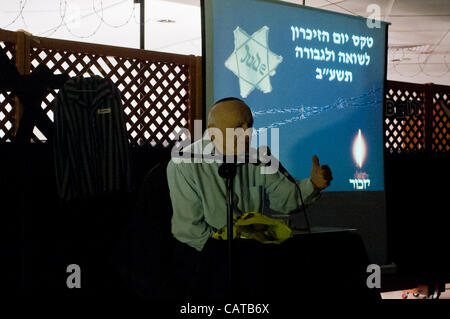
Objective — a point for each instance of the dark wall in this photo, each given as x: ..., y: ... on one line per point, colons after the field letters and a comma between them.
x: 418, y: 211
x: 45, y: 235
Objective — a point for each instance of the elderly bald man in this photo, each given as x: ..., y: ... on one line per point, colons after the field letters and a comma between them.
x: 198, y: 192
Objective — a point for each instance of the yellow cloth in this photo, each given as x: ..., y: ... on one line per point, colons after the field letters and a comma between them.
x: 256, y: 226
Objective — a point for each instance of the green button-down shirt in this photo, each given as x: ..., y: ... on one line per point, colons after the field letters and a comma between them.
x: 198, y: 195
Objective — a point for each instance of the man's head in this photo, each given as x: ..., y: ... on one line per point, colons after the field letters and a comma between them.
x: 234, y: 116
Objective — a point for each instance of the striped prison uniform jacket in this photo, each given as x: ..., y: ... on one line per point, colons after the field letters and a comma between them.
x: 91, y: 143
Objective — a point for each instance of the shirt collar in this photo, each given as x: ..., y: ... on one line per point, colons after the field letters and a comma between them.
x: 80, y: 88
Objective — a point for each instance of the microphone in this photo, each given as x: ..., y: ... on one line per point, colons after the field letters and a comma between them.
x: 228, y: 168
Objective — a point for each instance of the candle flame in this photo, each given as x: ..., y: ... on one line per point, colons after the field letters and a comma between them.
x: 359, y: 149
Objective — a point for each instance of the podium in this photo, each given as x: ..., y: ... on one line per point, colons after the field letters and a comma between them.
x: 327, y: 261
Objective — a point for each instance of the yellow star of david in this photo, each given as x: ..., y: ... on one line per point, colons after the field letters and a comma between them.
x: 252, y: 61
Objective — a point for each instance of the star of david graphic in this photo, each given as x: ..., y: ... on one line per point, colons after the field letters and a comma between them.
x: 252, y: 61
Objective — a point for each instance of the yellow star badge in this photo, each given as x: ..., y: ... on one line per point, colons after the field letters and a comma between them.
x: 252, y: 61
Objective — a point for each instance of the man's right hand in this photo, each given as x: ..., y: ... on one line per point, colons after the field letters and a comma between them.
x: 321, y: 176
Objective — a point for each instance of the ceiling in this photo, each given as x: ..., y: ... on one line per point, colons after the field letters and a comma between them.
x: 419, y: 34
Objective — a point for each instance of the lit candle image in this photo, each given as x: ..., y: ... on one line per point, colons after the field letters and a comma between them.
x: 361, y: 179
x: 359, y: 149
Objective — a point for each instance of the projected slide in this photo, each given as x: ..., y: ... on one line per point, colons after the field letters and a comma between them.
x: 314, y: 75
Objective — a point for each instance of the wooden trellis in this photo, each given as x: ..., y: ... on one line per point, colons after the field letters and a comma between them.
x: 160, y: 91
x: 415, y: 119
x: 404, y: 120
x: 440, y: 139
x: 7, y: 101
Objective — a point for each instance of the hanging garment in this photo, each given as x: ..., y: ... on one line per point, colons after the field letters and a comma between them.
x: 91, y: 143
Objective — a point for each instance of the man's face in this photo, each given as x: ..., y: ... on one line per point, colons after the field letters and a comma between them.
x: 234, y: 121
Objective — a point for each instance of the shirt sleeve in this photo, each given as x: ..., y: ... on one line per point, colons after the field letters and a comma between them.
x: 188, y: 222
x: 283, y: 195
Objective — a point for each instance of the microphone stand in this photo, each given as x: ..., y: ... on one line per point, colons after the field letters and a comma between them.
x: 228, y: 171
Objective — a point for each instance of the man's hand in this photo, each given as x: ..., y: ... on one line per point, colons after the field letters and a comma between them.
x: 320, y: 174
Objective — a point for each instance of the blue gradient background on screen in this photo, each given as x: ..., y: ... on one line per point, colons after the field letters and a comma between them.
x: 329, y: 134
